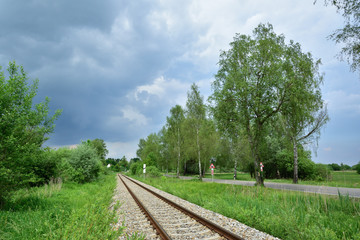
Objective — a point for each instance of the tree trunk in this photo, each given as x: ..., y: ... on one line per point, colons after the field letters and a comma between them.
x: 179, y: 156
x: 296, y: 177
x: 235, y: 170
x: 258, y: 174
x: 203, y: 173
x: 198, y: 147
x: 253, y: 147
x: 235, y: 160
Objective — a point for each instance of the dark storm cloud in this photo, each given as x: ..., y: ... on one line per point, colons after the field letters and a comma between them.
x: 88, y: 55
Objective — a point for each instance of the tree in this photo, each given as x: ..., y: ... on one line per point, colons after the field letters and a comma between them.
x: 24, y: 127
x: 349, y: 35
x: 227, y: 120
x: 85, y: 162
x: 166, y: 148
x: 195, y: 113
x: 151, y: 145
x: 174, y: 124
x: 303, y: 112
x: 253, y: 82
x: 100, y: 147
x: 210, y: 139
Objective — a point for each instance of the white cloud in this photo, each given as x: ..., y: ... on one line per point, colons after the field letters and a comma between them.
x: 120, y: 149
x: 134, y: 115
x: 170, y: 90
x: 156, y: 88
x: 128, y: 116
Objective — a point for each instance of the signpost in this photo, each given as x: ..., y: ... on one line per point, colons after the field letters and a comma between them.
x: 212, y: 167
x: 144, y: 169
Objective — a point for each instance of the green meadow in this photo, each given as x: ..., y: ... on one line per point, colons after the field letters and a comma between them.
x: 61, y: 211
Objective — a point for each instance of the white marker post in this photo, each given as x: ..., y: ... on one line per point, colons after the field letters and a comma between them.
x: 144, y: 169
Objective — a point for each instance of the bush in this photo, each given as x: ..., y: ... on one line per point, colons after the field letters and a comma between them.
x: 357, y: 168
x: 322, y: 172
x: 335, y: 166
x: 85, y: 162
x: 43, y: 168
x: 153, y: 171
x: 134, y: 166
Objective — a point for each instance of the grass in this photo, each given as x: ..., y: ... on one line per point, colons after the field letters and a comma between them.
x: 349, y: 179
x: 61, y: 211
x: 288, y: 215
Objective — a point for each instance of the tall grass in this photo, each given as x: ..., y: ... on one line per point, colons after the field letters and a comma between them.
x: 61, y: 211
x: 284, y: 214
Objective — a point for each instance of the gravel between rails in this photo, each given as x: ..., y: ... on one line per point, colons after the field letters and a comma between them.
x: 134, y: 221
x: 130, y: 214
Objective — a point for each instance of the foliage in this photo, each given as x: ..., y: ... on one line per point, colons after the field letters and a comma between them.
x: 24, y: 127
x: 195, y: 117
x: 67, y: 211
x: 349, y: 35
x: 151, y: 160
x: 337, y: 167
x: 153, y: 171
x: 149, y: 145
x: 85, y: 162
x: 307, y: 216
x: 133, y: 160
x: 100, y: 147
x: 136, y: 168
x: 322, y: 172
x: 257, y: 78
x: 358, y: 168
x: 118, y: 165
x: 303, y: 112
x: 175, y: 124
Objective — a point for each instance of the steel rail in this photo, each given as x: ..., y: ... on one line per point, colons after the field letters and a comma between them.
x: 162, y: 233
x: 220, y: 230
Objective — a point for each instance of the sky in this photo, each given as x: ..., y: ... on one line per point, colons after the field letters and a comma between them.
x: 116, y: 67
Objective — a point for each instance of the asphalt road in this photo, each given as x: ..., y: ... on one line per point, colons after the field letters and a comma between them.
x: 352, y: 192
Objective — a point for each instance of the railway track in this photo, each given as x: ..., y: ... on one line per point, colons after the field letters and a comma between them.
x: 171, y: 220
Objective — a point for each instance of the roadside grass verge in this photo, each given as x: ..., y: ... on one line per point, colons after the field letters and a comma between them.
x: 61, y: 211
x: 349, y: 179
x: 284, y: 214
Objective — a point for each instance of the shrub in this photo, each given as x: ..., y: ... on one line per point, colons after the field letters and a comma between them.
x: 153, y: 171
x: 134, y: 167
x: 357, y: 168
x: 43, y: 168
x: 322, y: 172
x: 85, y: 162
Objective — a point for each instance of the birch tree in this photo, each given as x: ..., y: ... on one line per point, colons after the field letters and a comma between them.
x: 304, y: 112
x: 254, y: 80
x: 195, y: 114
x: 174, y: 124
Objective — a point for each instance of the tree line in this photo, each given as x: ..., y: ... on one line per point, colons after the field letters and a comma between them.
x: 265, y: 107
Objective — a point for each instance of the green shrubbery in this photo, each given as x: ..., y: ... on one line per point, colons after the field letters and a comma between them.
x: 85, y: 163
x: 151, y: 171
x: 357, y: 168
x: 24, y: 127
